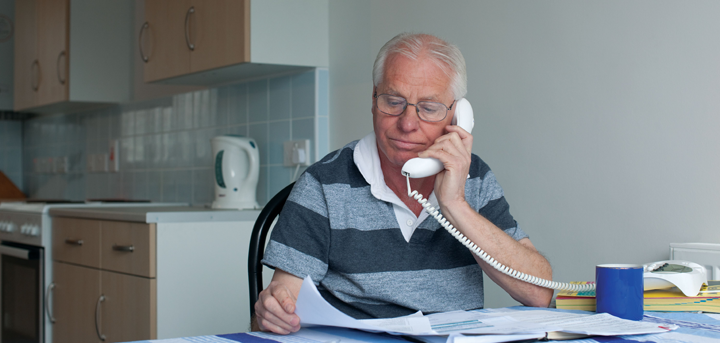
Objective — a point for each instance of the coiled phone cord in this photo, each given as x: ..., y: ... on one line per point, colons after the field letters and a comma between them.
x: 487, y: 258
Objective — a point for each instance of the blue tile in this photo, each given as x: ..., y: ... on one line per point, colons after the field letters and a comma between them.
x: 184, y: 186
x: 115, y: 185
x: 13, y: 160
x: 114, y: 123
x: 203, y: 191
x: 127, y: 123
x: 262, y: 187
x: 168, y: 186
x: 76, y: 187
x: 233, y: 102
x: 154, y: 186
x: 205, y: 108
x: 280, y: 98
x: 140, y: 152
x: 154, y: 151
x: 260, y: 133
x: 16, y: 179
x: 305, y: 129
x: 184, y: 154
x: 323, y: 95
x: 258, y: 101
x: 13, y: 134
x: 323, y: 137
x: 279, y: 131
x: 303, y: 95
x: 127, y: 153
x: 241, y: 130
x: 182, y: 111
x: 279, y: 177
x: 203, y: 148
x: 126, y: 184
x: 140, y: 186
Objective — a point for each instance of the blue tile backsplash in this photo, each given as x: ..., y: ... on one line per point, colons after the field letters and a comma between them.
x: 164, y: 144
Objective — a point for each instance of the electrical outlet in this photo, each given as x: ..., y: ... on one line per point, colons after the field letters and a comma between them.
x: 290, y: 146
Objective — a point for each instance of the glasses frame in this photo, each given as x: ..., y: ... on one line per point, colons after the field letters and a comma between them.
x: 407, y: 103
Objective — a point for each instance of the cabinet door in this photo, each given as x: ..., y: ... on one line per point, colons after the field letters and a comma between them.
x: 168, y: 53
x: 52, y: 25
x: 220, y: 32
x: 75, y: 299
x: 26, y: 72
x: 129, y: 312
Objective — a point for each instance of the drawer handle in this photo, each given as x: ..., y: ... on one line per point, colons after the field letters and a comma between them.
x: 97, y: 317
x: 74, y: 241
x: 124, y: 248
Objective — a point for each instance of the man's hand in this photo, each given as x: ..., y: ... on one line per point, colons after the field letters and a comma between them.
x: 454, y: 151
x: 275, y: 308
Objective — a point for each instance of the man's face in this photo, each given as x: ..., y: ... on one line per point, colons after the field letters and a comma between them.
x: 400, y: 138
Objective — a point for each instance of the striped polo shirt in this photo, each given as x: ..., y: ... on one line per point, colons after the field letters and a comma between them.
x: 333, y: 229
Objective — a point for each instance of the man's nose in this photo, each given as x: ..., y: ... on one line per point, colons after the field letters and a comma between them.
x: 409, y: 120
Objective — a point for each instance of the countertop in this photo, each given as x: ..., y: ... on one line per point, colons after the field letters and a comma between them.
x: 173, y: 214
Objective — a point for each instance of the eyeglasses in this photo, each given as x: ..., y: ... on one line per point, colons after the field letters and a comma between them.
x: 427, y: 110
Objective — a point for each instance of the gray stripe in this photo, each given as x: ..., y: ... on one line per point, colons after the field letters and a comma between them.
x: 307, y: 193
x: 489, y: 190
x: 281, y: 256
x: 350, y: 146
x: 356, y: 208
x: 426, y: 290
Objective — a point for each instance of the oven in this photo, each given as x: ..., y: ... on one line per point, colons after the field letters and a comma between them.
x: 22, y: 274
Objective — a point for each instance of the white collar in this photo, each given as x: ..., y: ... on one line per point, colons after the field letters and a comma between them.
x: 367, y: 159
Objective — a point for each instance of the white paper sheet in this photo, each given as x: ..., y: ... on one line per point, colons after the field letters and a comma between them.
x: 314, y: 310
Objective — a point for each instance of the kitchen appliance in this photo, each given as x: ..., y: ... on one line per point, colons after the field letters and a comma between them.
x: 237, y: 167
x: 26, y: 268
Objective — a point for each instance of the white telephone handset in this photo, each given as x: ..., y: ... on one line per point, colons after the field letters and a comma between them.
x: 424, y: 167
x: 419, y: 167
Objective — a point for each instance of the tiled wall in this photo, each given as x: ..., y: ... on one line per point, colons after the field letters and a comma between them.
x: 11, y: 150
x: 165, y: 151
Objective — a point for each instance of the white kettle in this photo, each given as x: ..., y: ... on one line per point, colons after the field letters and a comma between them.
x: 237, y: 167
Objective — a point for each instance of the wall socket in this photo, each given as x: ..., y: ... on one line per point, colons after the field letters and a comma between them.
x: 290, y: 146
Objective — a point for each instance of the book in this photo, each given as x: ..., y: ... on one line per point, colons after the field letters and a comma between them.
x: 574, y: 300
x: 667, y: 300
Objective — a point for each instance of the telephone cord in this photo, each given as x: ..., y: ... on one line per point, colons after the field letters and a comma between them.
x: 435, y: 213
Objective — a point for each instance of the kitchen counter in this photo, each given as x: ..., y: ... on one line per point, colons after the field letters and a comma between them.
x: 173, y: 214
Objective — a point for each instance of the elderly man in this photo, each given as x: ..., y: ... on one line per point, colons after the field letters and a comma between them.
x: 369, y: 247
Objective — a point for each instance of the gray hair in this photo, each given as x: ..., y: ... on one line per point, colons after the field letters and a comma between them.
x: 414, y: 45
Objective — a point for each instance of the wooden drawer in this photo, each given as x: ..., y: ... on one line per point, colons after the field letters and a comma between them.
x: 76, y: 241
x: 128, y: 248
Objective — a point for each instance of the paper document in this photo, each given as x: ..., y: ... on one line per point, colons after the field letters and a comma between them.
x: 312, y: 309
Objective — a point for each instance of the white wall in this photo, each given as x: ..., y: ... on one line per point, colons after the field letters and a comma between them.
x: 599, y: 118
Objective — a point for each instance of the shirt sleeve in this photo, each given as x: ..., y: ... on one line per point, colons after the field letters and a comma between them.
x: 299, y: 242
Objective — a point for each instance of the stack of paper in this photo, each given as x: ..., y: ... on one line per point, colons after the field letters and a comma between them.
x: 708, y: 300
x: 314, y: 310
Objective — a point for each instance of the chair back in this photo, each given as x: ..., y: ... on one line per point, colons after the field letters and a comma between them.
x: 257, y: 242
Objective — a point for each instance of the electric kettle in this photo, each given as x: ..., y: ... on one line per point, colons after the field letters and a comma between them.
x: 237, y: 167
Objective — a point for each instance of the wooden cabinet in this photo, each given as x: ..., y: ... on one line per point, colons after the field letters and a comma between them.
x: 54, y: 73
x: 182, y: 274
x: 104, y: 276
x: 204, y: 42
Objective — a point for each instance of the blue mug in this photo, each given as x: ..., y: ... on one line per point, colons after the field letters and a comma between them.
x: 619, y: 290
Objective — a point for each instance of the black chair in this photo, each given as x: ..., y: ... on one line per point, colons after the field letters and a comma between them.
x: 257, y: 242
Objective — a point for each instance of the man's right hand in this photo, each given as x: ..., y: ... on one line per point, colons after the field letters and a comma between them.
x: 275, y: 308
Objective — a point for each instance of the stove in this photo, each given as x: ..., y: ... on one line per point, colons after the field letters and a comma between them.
x: 26, y: 267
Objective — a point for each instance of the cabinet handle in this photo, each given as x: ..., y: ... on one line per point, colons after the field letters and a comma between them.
x: 97, y: 317
x: 74, y: 241
x: 124, y: 248
x: 50, y: 288
x: 35, y: 74
x: 60, y: 78
x: 140, y: 42
x: 191, y: 46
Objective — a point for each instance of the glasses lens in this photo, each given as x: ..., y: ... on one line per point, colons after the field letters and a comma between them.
x: 431, y: 111
x: 391, y: 104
